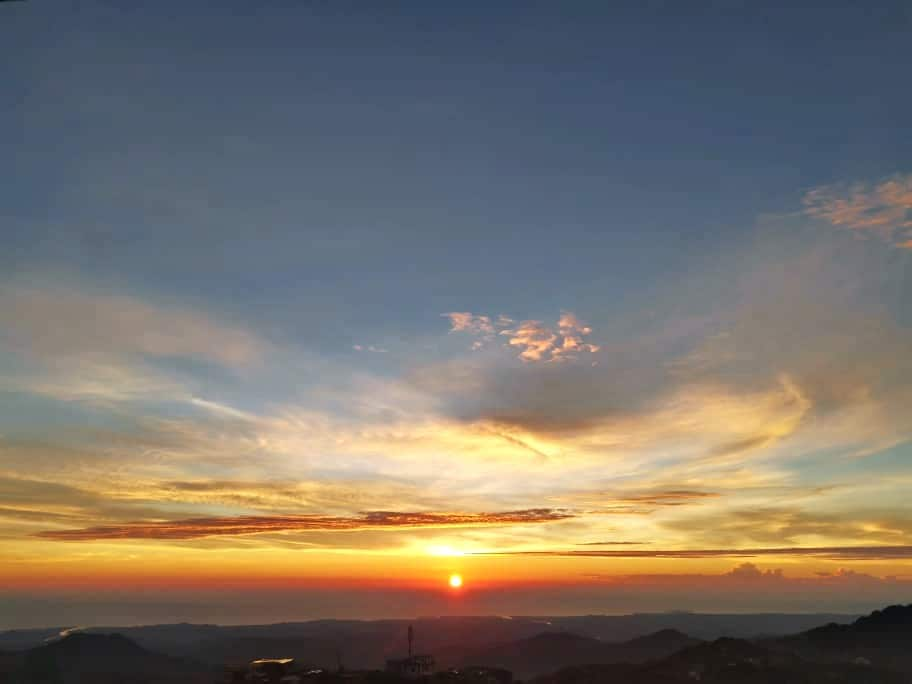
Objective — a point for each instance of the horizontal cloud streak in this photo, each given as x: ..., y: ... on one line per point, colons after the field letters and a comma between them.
x: 194, y: 528
x: 824, y: 552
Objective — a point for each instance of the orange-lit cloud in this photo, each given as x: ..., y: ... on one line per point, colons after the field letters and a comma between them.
x: 534, y: 340
x: 884, y: 208
x: 723, y: 430
x: 465, y: 321
x: 538, y: 342
x: 242, y: 525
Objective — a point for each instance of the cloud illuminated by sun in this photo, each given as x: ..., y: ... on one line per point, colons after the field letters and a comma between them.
x: 444, y: 551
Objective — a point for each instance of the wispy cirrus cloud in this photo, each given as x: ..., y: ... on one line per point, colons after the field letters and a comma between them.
x: 534, y: 340
x: 884, y: 208
x: 75, y: 344
x: 795, y: 524
x: 61, y: 321
x: 97, y: 380
x: 193, y: 528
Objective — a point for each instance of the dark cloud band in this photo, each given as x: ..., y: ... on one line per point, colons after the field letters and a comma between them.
x: 195, y: 528
x: 827, y: 552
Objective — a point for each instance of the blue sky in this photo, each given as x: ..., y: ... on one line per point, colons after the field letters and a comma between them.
x: 661, y: 250
x: 344, y: 159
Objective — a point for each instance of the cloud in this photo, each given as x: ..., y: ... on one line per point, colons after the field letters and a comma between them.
x: 749, y: 571
x: 608, y: 501
x: 194, y: 528
x: 572, y: 331
x: 884, y: 209
x: 538, y: 342
x: 686, y: 409
x: 534, y: 340
x: 30, y: 502
x: 785, y: 350
x: 771, y: 524
x: 465, y: 321
x: 673, y: 497
x: 95, y: 380
x: 369, y: 348
x: 74, y: 345
x: 854, y: 553
x: 54, y: 322
x: 278, y: 496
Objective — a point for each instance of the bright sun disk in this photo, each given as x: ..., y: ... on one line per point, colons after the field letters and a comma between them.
x: 455, y: 581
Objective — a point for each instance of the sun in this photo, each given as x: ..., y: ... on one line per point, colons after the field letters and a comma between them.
x: 455, y: 581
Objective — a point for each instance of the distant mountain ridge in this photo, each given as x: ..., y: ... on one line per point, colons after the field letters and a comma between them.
x: 872, y: 649
x: 100, y: 658
x: 882, y: 638
x: 891, y: 621
x: 550, y: 651
x: 439, y: 632
x: 726, y: 661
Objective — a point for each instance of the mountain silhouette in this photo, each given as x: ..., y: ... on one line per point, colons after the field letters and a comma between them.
x: 101, y: 658
x: 726, y: 661
x: 549, y: 651
x: 881, y: 639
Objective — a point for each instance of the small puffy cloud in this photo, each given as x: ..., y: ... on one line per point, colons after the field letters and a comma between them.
x: 569, y: 324
x: 369, y: 348
x: 465, y: 321
x: 884, y: 209
x: 534, y: 340
x: 538, y: 342
x: 749, y: 571
x: 572, y: 332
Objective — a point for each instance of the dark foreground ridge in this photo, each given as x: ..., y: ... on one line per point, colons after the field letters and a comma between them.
x: 869, y: 650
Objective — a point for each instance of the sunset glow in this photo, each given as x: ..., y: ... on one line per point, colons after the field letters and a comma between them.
x: 317, y: 315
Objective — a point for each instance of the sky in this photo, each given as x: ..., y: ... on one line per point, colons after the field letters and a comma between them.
x: 305, y: 307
